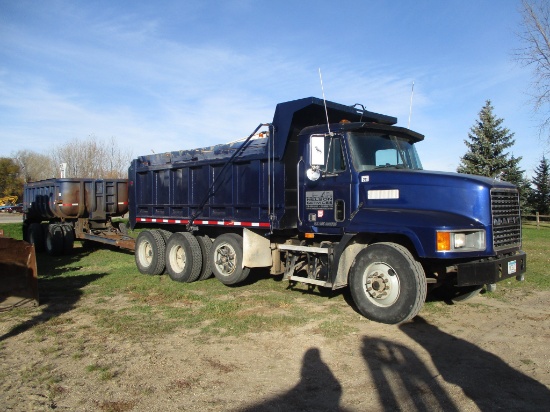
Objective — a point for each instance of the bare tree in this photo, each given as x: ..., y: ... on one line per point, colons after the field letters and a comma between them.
x: 35, y: 166
x: 93, y: 158
x: 536, y: 54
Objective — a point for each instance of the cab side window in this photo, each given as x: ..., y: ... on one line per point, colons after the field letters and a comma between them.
x: 336, y: 162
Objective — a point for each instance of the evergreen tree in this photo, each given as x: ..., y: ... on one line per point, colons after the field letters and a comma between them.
x: 489, y: 140
x: 516, y: 176
x: 540, y: 197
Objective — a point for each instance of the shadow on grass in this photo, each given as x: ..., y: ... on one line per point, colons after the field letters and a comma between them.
x: 59, y: 290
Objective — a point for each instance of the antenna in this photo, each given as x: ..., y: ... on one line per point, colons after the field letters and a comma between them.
x: 324, y: 101
x: 411, y: 106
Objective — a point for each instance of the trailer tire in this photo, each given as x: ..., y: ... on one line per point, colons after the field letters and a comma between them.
x: 54, y: 239
x: 227, y: 258
x: 35, y: 236
x: 68, y: 238
x: 149, y: 253
x: 183, y: 257
x: 205, y: 244
x: 387, y: 284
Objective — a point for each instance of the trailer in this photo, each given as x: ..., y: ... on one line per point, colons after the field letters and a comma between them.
x: 332, y: 196
x: 58, y: 211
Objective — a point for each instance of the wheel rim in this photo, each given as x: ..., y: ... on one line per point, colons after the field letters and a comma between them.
x: 177, y: 259
x: 225, y: 259
x: 145, y: 253
x: 381, y: 284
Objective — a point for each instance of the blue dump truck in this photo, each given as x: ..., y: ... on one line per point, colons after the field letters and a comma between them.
x: 329, y: 195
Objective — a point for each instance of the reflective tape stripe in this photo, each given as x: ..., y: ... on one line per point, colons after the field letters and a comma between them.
x: 204, y: 222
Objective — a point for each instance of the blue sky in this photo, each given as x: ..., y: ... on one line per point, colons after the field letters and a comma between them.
x: 170, y: 75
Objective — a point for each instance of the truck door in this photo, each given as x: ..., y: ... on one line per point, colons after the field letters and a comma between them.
x: 324, y: 186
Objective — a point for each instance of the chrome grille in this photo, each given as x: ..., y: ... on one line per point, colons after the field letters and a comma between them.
x: 505, y: 211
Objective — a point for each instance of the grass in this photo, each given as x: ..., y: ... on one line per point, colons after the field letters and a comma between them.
x: 536, y: 243
x: 136, y: 306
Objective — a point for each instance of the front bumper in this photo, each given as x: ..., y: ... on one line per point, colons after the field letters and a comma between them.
x: 486, y: 271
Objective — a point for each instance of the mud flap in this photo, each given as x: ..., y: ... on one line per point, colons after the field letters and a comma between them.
x: 18, y: 274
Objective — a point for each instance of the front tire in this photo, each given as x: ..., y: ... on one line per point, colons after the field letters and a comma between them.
x: 149, y: 253
x: 387, y: 284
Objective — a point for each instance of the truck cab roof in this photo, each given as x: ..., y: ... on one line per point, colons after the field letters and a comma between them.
x: 364, y: 127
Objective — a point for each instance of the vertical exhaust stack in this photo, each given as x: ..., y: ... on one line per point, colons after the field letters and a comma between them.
x: 18, y: 274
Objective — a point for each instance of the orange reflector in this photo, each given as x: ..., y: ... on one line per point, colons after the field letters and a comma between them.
x: 443, y: 241
x: 309, y: 235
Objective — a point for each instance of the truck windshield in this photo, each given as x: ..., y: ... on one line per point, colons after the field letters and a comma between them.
x: 376, y: 151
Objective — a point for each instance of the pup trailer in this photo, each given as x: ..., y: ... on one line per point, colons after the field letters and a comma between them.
x: 331, y: 204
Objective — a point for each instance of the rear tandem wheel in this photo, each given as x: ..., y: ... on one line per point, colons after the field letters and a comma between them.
x: 149, y: 253
x: 183, y: 257
x: 227, y: 259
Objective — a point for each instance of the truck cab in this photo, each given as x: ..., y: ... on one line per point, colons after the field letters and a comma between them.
x: 338, y: 168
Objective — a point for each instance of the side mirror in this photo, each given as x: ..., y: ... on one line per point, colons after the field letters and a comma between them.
x: 316, y: 156
x: 317, y: 150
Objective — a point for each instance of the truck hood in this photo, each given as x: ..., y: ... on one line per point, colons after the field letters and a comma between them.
x: 419, y: 202
x: 454, y: 193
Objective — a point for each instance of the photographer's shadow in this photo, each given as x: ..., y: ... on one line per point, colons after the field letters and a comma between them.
x: 484, y: 377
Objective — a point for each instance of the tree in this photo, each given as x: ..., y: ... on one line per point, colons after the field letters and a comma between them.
x: 35, y: 166
x: 540, y: 197
x: 487, y: 154
x: 10, y: 182
x: 93, y: 158
x: 536, y: 54
x: 517, y: 176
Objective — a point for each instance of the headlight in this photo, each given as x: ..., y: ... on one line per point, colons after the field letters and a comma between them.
x: 460, y: 241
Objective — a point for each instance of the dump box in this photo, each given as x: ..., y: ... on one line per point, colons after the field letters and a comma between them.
x: 76, y: 198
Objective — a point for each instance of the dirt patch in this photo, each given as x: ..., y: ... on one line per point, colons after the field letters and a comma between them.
x: 486, y: 354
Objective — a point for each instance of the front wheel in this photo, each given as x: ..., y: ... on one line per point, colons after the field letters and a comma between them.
x: 387, y: 284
